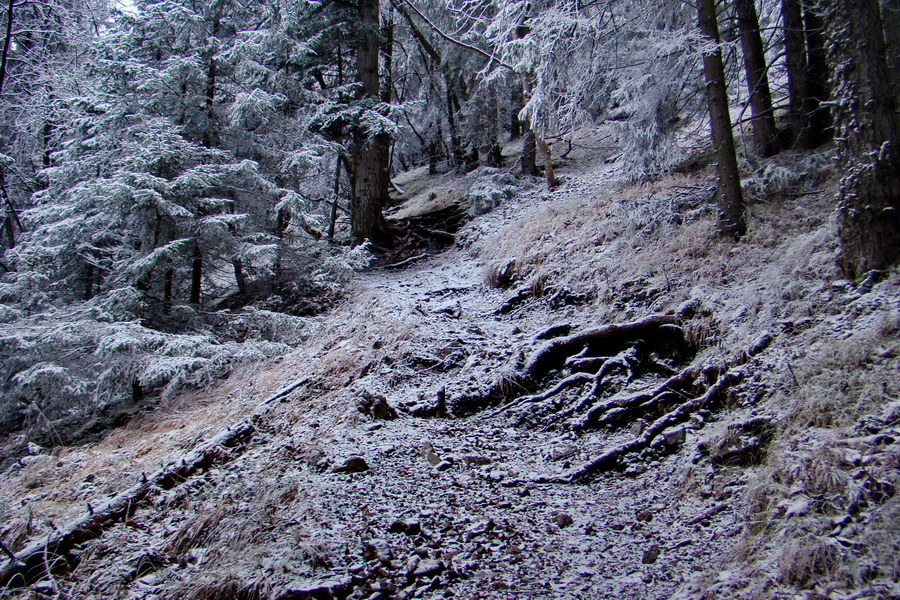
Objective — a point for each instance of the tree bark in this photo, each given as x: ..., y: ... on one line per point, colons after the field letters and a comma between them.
x: 196, y: 275
x: 371, y: 179
x: 732, y: 222
x: 167, y: 290
x: 387, y: 49
x: 7, y: 41
x: 890, y: 15
x: 240, y: 277
x: 807, y: 74
x: 868, y: 133
x: 763, y: 124
x: 820, y: 122
x: 796, y: 70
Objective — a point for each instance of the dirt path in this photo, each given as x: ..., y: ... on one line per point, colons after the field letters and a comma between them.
x: 446, y: 507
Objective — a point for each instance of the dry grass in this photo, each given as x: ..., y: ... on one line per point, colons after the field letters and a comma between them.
x: 803, y: 560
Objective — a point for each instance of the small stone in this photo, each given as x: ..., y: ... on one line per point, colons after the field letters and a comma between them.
x: 376, y: 406
x: 562, y: 520
x: 407, y: 526
x: 651, y: 554
x: 377, y: 549
x: 35, y: 448
x: 675, y: 437
x: 354, y: 464
x: 645, y: 515
x: 411, y: 564
x: 443, y: 465
x: 479, y: 528
x: 476, y: 461
x: 428, y: 568
x: 315, y: 588
x: 427, y: 451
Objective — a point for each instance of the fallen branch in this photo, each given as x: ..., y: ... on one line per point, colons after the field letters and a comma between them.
x: 31, y: 559
x: 709, y: 513
x: 408, y: 261
x: 30, y: 563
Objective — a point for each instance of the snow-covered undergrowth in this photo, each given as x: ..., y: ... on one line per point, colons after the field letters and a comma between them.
x: 71, y: 369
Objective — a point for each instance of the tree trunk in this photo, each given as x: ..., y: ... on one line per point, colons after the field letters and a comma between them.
x: 332, y: 222
x: 7, y: 41
x: 890, y: 15
x: 515, y: 126
x: 820, y: 122
x: 763, y: 125
x: 211, y: 135
x: 12, y: 215
x: 371, y: 179
x: 807, y: 74
x: 796, y: 70
x: 167, y: 290
x: 196, y: 275
x: 867, y: 130
x: 549, y: 173
x: 387, y: 50
x: 456, y: 153
x: 240, y: 277
x: 529, y: 152
x: 731, y: 202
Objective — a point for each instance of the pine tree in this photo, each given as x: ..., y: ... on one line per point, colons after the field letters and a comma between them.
x: 732, y: 222
x: 868, y: 132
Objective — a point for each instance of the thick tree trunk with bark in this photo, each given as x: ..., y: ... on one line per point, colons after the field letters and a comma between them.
x: 807, y: 75
x: 817, y: 71
x: 731, y: 201
x: 795, y: 68
x: 763, y: 125
x: 371, y: 178
x: 890, y: 15
x: 868, y: 136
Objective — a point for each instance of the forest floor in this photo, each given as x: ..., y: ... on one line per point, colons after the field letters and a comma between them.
x: 739, y: 437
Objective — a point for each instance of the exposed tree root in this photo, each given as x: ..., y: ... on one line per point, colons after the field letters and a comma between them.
x: 617, y: 375
x: 55, y: 550
x: 552, y: 355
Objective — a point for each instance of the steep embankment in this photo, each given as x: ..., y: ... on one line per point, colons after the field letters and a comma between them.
x: 750, y: 408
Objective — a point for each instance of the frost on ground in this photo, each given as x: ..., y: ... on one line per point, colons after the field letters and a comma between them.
x: 404, y: 455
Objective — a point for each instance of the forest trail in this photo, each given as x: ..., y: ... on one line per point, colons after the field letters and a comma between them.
x: 321, y: 494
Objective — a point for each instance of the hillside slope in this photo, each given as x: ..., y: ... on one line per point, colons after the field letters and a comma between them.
x: 739, y: 439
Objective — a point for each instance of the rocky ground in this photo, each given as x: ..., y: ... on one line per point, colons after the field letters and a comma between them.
x: 408, y: 450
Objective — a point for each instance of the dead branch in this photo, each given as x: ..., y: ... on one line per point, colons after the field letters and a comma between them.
x: 30, y: 564
x: 408, y: 261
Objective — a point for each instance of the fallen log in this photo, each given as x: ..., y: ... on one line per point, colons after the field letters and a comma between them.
x: 32, y: 562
